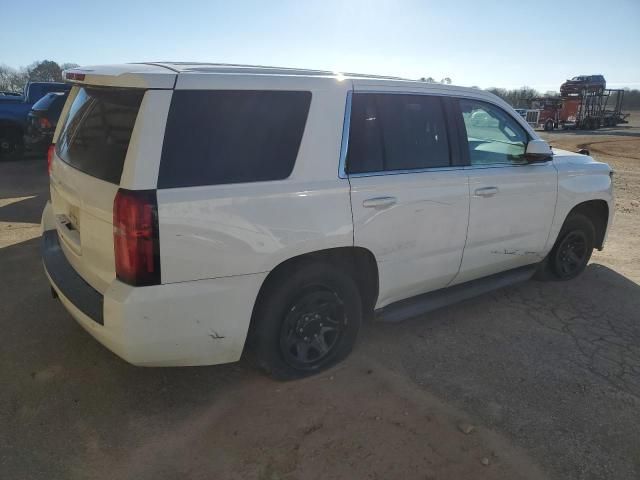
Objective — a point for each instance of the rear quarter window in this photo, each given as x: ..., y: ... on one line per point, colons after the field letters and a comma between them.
x: 218, y: 137
x: 97, y: 131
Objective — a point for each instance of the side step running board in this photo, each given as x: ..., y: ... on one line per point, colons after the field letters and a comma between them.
x: 427, y: 302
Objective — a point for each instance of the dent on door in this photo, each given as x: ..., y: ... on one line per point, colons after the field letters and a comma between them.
x: 415, y: 225
x: 510, y: 218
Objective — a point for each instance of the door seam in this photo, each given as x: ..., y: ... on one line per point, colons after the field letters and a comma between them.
x: 466, y: 237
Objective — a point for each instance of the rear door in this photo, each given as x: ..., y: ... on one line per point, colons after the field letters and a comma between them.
x: 409, y: 190
x: 102, y: 145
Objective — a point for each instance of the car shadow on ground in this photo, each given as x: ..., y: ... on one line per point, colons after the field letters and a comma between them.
x: 554, y: 365
x: 24, y: 209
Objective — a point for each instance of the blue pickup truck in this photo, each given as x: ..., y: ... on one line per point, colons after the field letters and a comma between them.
x: 14, y: 114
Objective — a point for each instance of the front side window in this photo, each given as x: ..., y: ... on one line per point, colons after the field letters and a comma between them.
x: 216, y: 137
x: 391, y: 132
x: 494, y: 137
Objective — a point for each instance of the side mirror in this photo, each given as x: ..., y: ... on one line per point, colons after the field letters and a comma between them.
x: 538, y: 151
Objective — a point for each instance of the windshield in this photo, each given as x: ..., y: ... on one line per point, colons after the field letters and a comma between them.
x: 48, y: 100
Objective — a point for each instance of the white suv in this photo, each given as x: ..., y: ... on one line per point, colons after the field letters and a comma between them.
x: 197, y: 208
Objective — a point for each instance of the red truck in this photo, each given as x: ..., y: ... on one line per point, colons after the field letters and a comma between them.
x: 587, y: 111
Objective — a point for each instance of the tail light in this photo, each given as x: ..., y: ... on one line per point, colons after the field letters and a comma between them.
x: 135, y: 237
x: 50, y: 152
x: 44, y: 122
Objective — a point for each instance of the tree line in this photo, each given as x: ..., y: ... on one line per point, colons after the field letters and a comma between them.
x: 14, y: 80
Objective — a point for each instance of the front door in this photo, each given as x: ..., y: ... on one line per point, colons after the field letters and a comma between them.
x: 512, y: 202
x: 409, y: 191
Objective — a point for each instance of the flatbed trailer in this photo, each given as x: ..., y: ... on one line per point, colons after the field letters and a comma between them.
x: 592, y: 110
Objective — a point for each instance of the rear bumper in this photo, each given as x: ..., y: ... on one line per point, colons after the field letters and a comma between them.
x: 69, y: 284
x: 204, y: 322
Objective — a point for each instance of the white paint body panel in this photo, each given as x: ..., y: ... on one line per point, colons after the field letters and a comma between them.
x: 510, y: 228
x: 89, y: 248
x: 181, y: 324
x: 237, y: 229
x: 418, y: 241
x: 580, y: 179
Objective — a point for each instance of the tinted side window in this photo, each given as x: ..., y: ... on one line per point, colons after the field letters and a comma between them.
x: 494, y: 136
x: 222, y: 136
x: 396, y: 132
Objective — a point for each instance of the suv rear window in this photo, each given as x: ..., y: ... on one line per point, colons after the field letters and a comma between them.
x: 51, y: 101
x: 97, y: 131
x: 231, y: 136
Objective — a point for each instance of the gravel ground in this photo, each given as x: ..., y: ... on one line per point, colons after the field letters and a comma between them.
x: 548, y: 375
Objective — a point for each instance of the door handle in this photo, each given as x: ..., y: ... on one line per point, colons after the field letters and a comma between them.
x: 379, y: 202
x: 485, y: 192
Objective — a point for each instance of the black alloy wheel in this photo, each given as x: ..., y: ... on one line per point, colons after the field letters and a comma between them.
x: 571, y: 255
x: 312, y: 328
x: 306, y: 319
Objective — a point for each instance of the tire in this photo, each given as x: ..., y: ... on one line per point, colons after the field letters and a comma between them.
x: 11, y: 146
x: 548, y: 126
x: 571, y: 252
x: 306, y: 320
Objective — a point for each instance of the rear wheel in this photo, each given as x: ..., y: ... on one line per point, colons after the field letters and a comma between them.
x: 573, y: 248
x: 306, y: 320
x: 10, y: 144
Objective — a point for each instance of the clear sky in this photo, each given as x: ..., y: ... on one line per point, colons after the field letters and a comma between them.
x: 537, y: 43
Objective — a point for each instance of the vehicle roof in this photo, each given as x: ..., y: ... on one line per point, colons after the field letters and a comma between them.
x: 199, y: 67
x: 148, y: 74
x: 193, y: 75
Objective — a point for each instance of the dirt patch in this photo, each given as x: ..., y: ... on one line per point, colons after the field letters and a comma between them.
x: 359, y: 421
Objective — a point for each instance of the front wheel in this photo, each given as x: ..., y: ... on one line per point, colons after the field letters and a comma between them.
x: 548, y: 126
x: 306, y: 320
x: 573, y: 248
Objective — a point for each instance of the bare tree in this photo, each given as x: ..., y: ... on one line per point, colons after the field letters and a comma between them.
x: 446, y: 81
x: 12, y: 80
x: 518, y: 98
